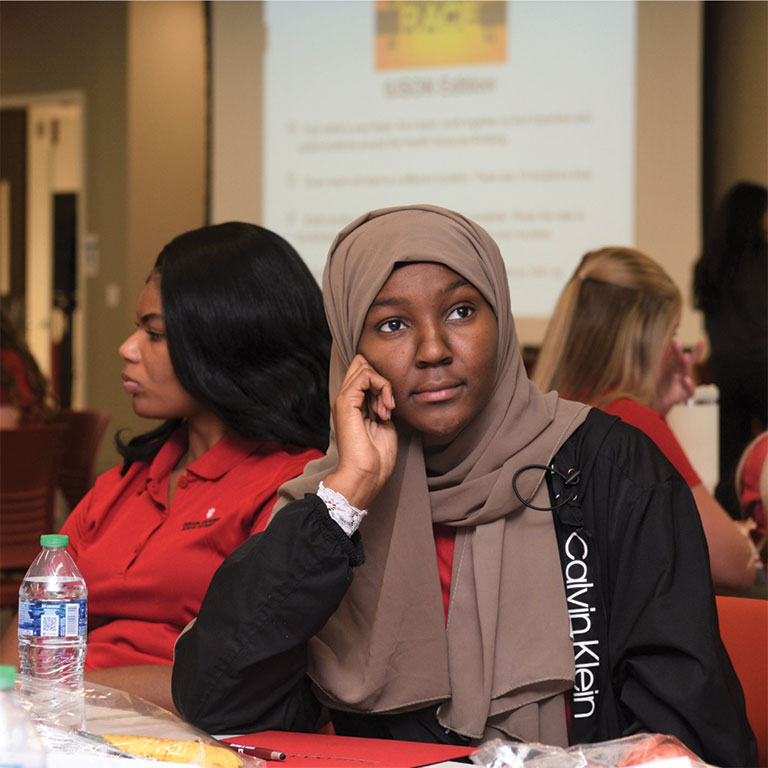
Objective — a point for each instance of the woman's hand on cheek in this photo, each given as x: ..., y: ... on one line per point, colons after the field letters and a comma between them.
x: 365, y: 434
x: 677, y: 383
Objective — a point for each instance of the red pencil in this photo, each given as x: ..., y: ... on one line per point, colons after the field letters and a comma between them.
x: 262, y: 752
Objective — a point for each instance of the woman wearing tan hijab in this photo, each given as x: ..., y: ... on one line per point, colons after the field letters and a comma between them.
x: 415, y: 580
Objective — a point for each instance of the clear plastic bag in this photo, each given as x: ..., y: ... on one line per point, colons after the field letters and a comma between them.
x: 108, y: 721
x: 640, y: 749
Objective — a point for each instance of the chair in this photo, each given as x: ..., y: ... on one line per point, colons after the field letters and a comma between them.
x: 744, y: 630
x: 29, y: 464
x: 85, y: 430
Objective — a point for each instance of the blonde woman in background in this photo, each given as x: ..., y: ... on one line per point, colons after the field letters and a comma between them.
x: 611, y: 343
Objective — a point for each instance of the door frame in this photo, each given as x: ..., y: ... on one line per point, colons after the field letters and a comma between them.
x: 40, y: 318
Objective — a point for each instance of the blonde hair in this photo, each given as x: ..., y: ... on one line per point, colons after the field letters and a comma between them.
x: 609, y: 330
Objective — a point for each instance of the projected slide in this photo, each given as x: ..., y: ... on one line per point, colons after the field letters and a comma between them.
x: 518, y: 114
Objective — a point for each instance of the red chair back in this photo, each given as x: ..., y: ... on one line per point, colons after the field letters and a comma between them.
x: 29, y: 465
x: 85, y: 430
x: 744, y: 630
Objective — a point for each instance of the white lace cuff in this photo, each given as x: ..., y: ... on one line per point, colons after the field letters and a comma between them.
x: 340, y: 510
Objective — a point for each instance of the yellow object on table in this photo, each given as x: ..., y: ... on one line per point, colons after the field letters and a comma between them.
x: 176, y: 751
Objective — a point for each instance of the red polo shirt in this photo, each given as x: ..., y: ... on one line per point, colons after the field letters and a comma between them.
x: 653, y: 424
x: 148, y: 565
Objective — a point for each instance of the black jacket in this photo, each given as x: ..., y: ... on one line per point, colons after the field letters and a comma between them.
x: 646, y: 644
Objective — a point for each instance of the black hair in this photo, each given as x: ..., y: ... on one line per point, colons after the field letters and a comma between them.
x: 247, y: 336
x: 737, y: 234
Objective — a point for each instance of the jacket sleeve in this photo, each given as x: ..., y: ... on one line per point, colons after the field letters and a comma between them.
x: 669, y: 668
x: 241, y: 665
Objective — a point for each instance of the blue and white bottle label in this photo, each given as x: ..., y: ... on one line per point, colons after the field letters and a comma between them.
x: 53, y: 618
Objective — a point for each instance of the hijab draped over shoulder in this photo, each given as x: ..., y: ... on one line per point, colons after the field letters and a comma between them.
x: 504, y: 658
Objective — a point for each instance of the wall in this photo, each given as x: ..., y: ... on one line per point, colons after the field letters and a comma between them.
x: 735, y: 142
x: 668, y: 155
x: 141, y: 68
x: 166, y: 131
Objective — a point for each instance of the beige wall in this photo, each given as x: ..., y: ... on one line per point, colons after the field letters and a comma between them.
x: 166, y: 131
x: 736, y: 99
x: 141, y: 68
x: 668, y: 152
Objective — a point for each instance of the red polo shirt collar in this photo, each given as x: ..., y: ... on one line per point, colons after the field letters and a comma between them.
x: 213, y: 464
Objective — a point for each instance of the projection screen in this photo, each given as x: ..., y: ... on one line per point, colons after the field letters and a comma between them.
x: 559, y: 126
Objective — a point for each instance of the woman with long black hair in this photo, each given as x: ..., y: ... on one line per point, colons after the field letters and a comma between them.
x: 231, y: 352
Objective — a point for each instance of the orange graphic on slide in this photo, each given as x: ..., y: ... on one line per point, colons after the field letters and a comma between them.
x: 431, y: 33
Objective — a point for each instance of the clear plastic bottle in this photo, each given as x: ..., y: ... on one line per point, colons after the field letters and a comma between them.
x: 53, y: 616
x: 20, y: 745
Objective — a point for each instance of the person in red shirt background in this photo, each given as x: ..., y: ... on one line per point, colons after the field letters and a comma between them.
x: 752, y: 490
x: 25, y: 395
x: 610, y: 343
x: 231, y: 351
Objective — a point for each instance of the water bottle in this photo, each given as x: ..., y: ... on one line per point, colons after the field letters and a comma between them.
x: 53, y: 617
x: 20, y: 745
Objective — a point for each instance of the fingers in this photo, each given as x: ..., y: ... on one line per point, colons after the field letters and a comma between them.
x: 698, y: 351
x: 678, y: 358
x: 358, y: 361
x: 690, y: 359
x: 689, y: 387
x: 365, y: 434
x: 378, y: 382
x: 363, y: 379
x: 747, y: 525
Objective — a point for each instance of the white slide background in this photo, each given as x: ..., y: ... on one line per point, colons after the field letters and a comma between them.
x: 588, y: 134
x: 539, y: 149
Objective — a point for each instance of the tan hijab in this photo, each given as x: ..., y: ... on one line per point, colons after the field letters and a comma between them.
x: 505, y: 657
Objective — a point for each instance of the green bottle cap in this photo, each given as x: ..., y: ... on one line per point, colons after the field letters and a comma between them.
x: 7, y: 676
x: 54, y: 540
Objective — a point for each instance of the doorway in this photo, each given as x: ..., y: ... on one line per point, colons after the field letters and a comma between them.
x: 42, y: 205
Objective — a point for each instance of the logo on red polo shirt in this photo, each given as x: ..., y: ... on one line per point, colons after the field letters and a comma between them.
x: 206, y: 522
